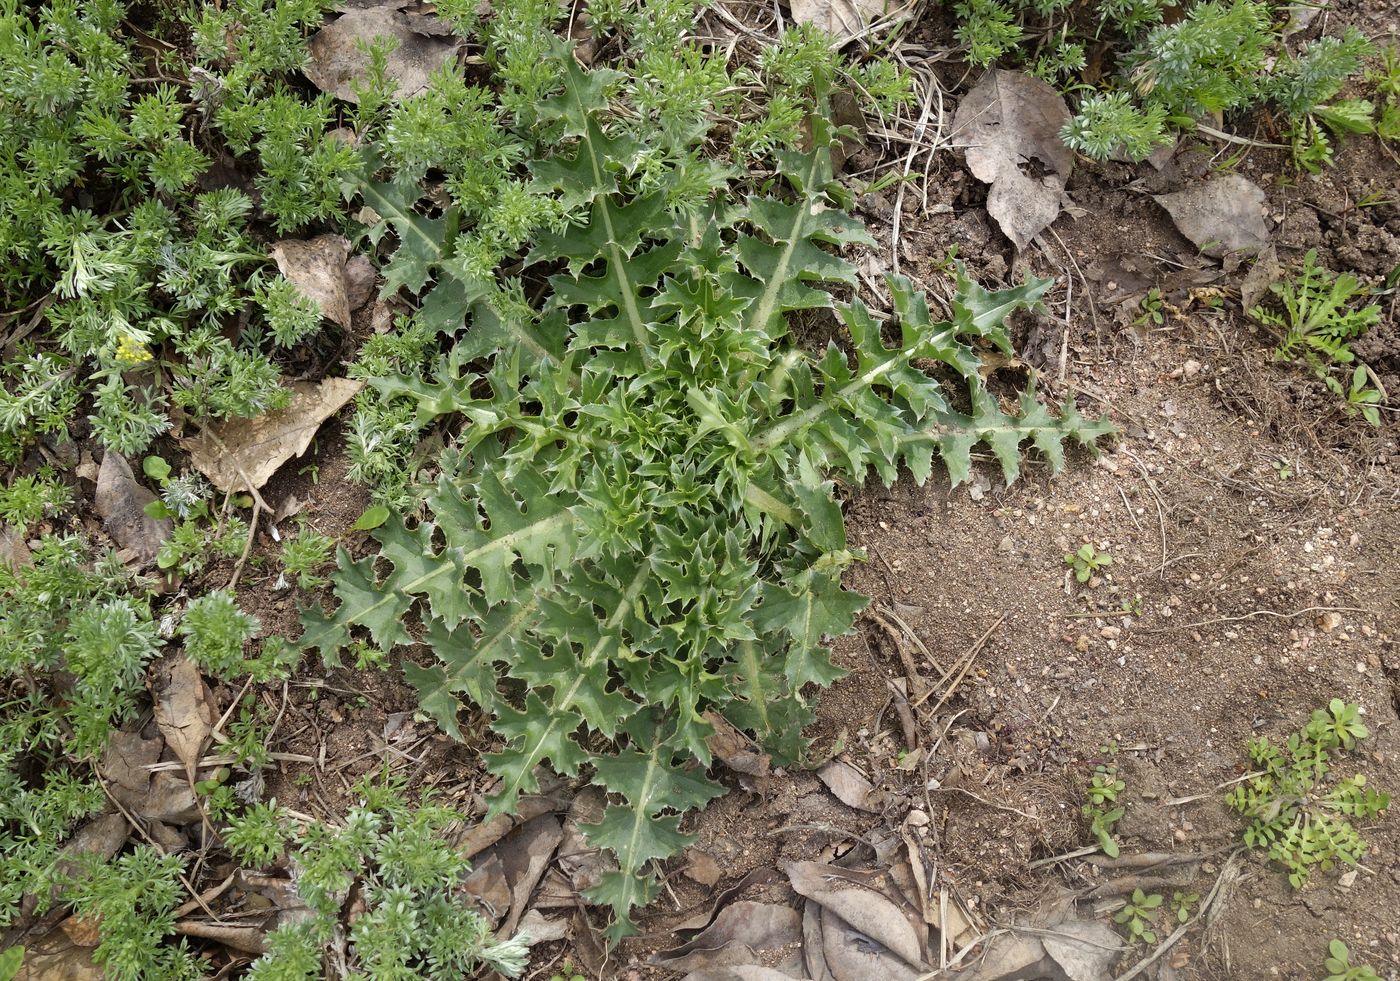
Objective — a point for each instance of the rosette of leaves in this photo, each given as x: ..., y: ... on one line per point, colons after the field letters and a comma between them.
x: 637, y: 523
x: 1294, y: 813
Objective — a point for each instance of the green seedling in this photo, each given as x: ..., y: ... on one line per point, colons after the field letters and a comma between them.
x: 1339, y: 966
x: 1085, y: 561
x: 567, y: 973
x: 1151, y: 306
x: 1138, y: 916
x: 1300, y: 816
x: 1182, y: 903
x: 1101, y: 806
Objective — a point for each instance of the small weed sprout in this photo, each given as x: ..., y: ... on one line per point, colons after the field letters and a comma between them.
x: 1085, y: 561
x: 1151, y: 306
x: 1138, y: 916
x: 303, y: 555
x: 1302, y: 820
x: 1101, y: 807
x: 1339, y: 966
x: 567, y: 973
x: 1182, y: 902
x: 1319, y: 320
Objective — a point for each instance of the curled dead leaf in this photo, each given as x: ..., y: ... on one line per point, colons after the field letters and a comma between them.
x: 738, y: 936
x: 121, y: 501
x: 850, y: 786
x: 317, y: 268
x: 184, y: 710
x: 1010, y: 124
x: 860, y: 900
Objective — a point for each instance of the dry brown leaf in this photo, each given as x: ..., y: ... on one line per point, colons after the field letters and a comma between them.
x: 124, y: 763
x: 360, y: 277
x: 84, y: 933
x: 850, y: 786
x: 184, y: 709
x: 701, y: 867
x: 703, y: 918
x: 14, y: 551
x: 338, y: 61
x: 1227, y: 214
x: 739, y: 935
x: 243, y: 454
x: 856, y: 898
x: 120, y: 500
x: 164, y: 796
x: 1010, y: 124
x: 843, y: 19
x: 1083, y: 949
x: 55, y: 957
x: 479, y: 837
x: 853, y: 955
x: 1264, y: 273
x: 540, y: 929
x: 317, y: 268
x: 582, y: 864
x: 736, y: 750
x: 742, y: 972
x: 812, y: 955
x: 487, y: 884
x: 524, y: 857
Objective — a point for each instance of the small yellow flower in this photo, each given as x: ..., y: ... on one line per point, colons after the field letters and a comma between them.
x: 132, y: 352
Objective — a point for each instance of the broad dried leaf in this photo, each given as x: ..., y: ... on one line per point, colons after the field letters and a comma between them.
x: 317, y: 267
x: 854, y: 898
x: 185, y: 710
x: 853, y: 955
x: 734, y: 749
x: 1227, y: 214
x: 540, y: 929
x: 339, y: 62
x: 1083, y: 949
x: 813, y: 955
x: 524, y: 857
x: 739, y: 935
x: 743, y: 972
x: 243, y: 454
x: 1010, y: 123
x: 480, y: 837
x: 487, y: 884
x: 842, y: 19
x: 850, y: 786
x: 1264, y: 273
x: 14, y: 551
x: 56, y: 957
x: 121, y: 502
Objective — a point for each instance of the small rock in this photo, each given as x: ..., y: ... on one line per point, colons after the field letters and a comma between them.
x: 1329, y: 621
x: 1111, y: 633
x: 1346, y: 880
x: 916, y: 819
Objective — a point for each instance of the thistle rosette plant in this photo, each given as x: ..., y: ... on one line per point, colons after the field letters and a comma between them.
x: 637, y: 523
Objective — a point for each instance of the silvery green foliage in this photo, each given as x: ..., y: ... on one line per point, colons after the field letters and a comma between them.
x: 637, y: 522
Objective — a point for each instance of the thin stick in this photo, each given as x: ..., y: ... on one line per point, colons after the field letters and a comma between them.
x: 968, y: 658
x: 991, y: 804
x: 1263, y: 613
